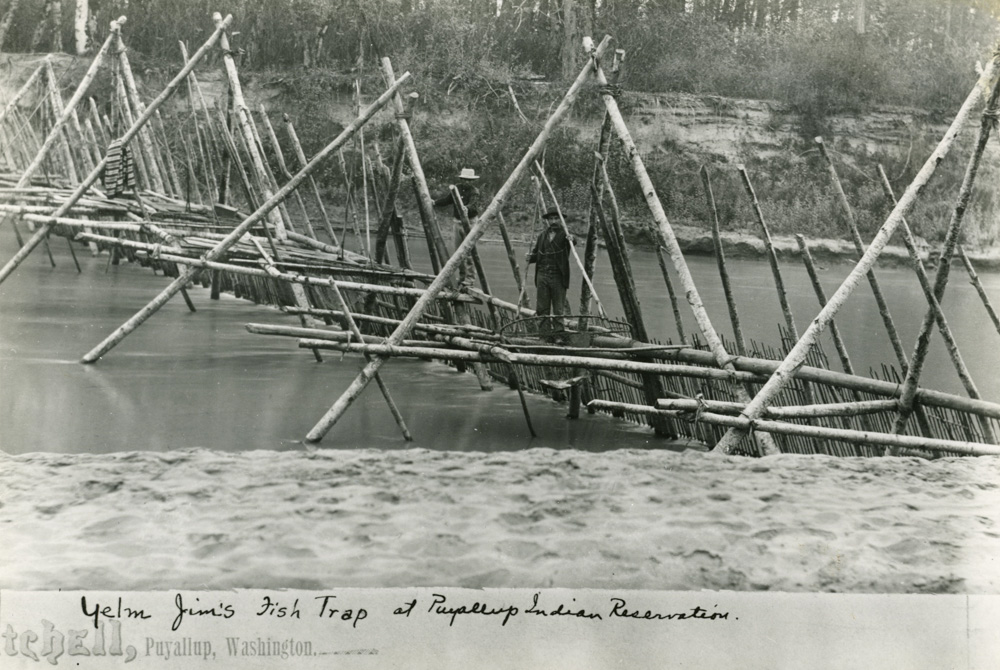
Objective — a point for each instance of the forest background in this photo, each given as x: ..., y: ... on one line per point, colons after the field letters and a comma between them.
x: 816, y: 58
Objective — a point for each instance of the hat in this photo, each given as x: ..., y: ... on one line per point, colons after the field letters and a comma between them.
x: 468, y: 173
x: 551, y: 213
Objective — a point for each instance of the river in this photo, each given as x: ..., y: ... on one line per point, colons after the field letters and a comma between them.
x: 201, y: 380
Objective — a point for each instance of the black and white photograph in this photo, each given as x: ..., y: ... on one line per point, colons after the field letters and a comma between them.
x: 592, y: 326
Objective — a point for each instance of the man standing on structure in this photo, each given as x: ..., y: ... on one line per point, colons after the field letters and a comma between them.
x: 551, y: 258
x: 467, y: 190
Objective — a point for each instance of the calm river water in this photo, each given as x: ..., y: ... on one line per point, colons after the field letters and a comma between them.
x: 200, y: 380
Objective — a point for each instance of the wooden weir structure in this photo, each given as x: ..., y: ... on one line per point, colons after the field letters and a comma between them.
x: 200, y: 171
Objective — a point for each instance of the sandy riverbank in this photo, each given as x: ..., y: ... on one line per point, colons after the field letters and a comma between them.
x: 534, y: 518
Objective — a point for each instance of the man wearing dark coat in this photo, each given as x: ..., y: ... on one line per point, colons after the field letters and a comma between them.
x: 551, y: 258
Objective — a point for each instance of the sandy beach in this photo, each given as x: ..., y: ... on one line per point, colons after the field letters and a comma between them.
x: 202, y: 519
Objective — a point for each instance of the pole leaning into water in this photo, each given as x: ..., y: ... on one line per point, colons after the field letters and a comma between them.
x: 132, y: 93
x: 446, y: 273
x: 243, y: 120
x: 424, y: 201
x: 932, y: 303
x: 232, y: 238
x: 978, y: 285
x: 669, y: 241
x: 301, y: 156
x: 55, y: 132
x: 720, y: 258
x: 922, y: 346
x: 859, y: 246
x: 42, y: 233
x: 797, y: 356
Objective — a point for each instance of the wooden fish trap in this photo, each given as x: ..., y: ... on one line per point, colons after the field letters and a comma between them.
x: 198, y: 174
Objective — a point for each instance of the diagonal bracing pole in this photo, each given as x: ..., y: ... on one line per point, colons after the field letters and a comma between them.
x: 978, y: 285
x: 859, y: 246
x: 42, y: 233
x: 301, y: 156
x: 444, y: 276
x: 233, y: 237
x: 243, y: 120
x: 932, y: 304
x: 906, y: 400
x: 669, y: 241
x: 797, y: 356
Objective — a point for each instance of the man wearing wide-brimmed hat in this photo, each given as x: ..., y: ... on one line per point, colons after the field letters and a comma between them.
x: 467, y: 190
x: 551, y: 258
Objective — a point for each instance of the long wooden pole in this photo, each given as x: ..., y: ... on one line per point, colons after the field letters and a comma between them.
x: 772, y: 260
x: 232, y: 238
x: 858, y: 408
x: 301, y: 156
x: 720, y: 259
x: 244, y: 120
x: 669, y: 241
x: 446, y: 273
x: 859, y: 246
x: 42, y: 233
x: 25, y: 87
x: 55, y: 132
x: 424, y: 200
x: 817, y: 432
x: 389, y: 212
x: 283, y: 168
x: 951, y: 345
x: 797, y: 356
x: 838, y: 341
x: 974, y: 278
x: 947, y: 251
x: 132, y: 91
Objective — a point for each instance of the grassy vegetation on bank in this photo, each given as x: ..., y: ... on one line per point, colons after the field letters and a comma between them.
x: 814, y: 56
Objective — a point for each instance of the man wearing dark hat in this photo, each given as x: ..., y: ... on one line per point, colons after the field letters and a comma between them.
x: 466, y: 185
x: 551, y: 258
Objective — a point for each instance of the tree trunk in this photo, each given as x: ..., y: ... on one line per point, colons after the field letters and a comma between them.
x: 739, y: 15
x: 80, y: 26
x: 569, y: 47
x: 36, y: 37
x: 859, y: 17
x: 7, y: 18
x: 792, y: 13
x: 57, y: 45
x: 763, y: 9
